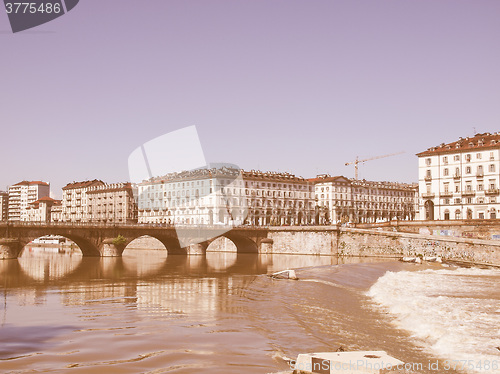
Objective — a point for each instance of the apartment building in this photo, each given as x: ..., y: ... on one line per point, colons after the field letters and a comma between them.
x: 340, y: 200
x: 460, y: 180
x: 276, y: 198
x: 40, y: 210
x: 74, y: 204
x: 226, y: 195
x: 22, y: 194
x: 112, y: 203
x: 4, y: 206
x: 96, y: 201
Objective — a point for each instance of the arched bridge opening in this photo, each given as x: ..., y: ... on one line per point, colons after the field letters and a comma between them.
x: 158, y: 242
x: 241, y: 243
x: 77, y: 244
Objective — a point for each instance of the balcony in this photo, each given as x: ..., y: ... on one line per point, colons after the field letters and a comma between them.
x: 428, y: 195
x: 492, y: 191
x: 468, y: 193
x: 428, y: 178
x: 479, y: 175
x: 456, y: 176
x: 446, y: 194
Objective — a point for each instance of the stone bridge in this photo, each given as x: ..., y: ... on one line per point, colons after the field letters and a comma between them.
x: 111, y: 240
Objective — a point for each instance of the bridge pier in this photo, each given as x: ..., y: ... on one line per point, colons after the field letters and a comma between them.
x: 10, y: 248
x: 110, y: 248
x: 197, y: 249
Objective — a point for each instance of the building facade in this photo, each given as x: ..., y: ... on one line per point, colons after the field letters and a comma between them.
x: 40, y: 210
x: 333, y: 199
x: 112, y: 203
x: 224, y: 196
x: 56, y: 212
x: 376, y: 201
x: 96, y: 201
x: 4, y: 206
x: 22, y: 194
x: 341, y: 200
x: 460, y: 180
x: 74, y: 204
x: 278, y: 199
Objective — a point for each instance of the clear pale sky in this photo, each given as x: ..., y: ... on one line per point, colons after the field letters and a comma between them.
x: 298, y: 86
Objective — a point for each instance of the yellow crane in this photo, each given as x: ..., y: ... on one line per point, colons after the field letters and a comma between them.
x: 358, y: 161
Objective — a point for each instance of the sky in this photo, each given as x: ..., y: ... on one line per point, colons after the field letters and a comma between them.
x: 299, y: 86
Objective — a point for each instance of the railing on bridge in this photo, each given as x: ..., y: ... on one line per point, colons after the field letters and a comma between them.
x: 124, y: 225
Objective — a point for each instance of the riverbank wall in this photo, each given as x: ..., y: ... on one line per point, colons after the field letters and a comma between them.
x: 357, y: 242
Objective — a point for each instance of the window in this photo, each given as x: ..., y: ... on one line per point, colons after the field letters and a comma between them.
x: 467, y: 157
x: 478, y: 156
x: 456, y: 158
x: 467, y: 170
x: 480, y: 187
x: 492, y: 156
x: 427, y: 161
x: 492, y: 168
x: 457, y: 172
x: 445, y: 160
x: 480, y: 170
x: 428, y: 173
x: 446, y: 187
x: 445, y: 172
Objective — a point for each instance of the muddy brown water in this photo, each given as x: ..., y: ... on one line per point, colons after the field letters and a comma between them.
x: 151, y: 313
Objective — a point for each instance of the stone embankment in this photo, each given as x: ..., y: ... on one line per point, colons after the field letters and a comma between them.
x: 373, y: 242
x: 363, y: 242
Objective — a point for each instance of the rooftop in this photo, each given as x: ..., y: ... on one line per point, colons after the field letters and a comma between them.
x: 477, y: 142
x: 322, y: 178
x: 30, y: 183
x: 83, y: 184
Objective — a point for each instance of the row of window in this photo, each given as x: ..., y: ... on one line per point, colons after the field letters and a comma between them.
x: 362, y: 198
x: 370, y: 192
x: 468, y: 170
x: 469, y: 200
x: 222, y: 182
x: 470, y: 215
x: 467, y: 157
x: 468, y: 187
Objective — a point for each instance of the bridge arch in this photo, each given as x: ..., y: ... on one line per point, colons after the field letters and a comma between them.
x: 170, y: 243
x: 243, y: 244
x: 87, y: 248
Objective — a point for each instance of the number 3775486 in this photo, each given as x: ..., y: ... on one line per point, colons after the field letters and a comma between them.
x: 33, y: 8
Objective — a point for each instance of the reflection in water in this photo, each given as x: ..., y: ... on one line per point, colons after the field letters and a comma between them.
x: 43, y: 264
x: 143, y: 263
x: 221, y: 261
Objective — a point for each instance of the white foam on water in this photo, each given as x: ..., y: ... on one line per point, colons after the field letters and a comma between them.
x: 453, y: 313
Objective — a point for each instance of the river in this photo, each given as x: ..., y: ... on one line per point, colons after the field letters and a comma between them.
x: 148, y: 312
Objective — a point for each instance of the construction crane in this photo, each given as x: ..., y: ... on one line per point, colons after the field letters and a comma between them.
x: 357, y: 161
